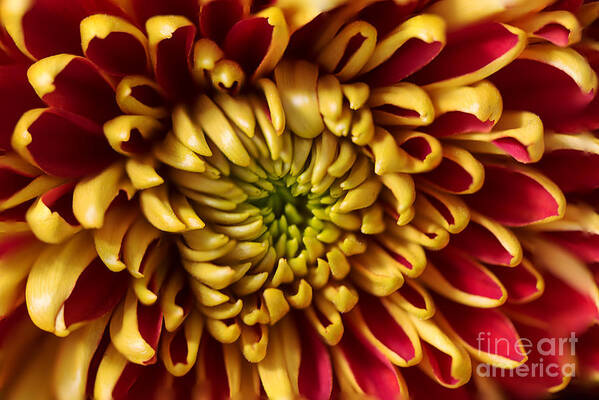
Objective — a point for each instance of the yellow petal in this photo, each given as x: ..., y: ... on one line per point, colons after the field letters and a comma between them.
x: 156, y: 206
x: 174, y: 153
x: 333, y: 53
x: 188, y: 132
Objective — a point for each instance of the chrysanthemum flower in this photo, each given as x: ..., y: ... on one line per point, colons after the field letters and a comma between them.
x: 227, y: 199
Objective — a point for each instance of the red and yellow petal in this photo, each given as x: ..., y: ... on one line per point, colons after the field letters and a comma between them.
x: 19, y: 253
x: 472, y: 54
x: 444, y: 359
x: 456, y: 275
x: 487, y: 334
x: 258, y: 43
x: 17, y: 97
x: 179, y: 349
x: 465, y: 109
x: 388, y: 328
x: 171, y: 40
x: 523, y: 282
x: 459, y: 172
x: 74, y: 359
x: 27, y: 23
x: 558, y: 365
x: 517, y: 196
x: 51, y: 217
x: 115, y: 45
x: 567, y: 153
x: 489, y: 242
x: 68, y: 285
x: 406, y: 50
x: 547, y: 80
x: 361, y: 370
x: 61, y: 144
x: 297, y: 362
x: 518, y: 134
x: 558, y: 27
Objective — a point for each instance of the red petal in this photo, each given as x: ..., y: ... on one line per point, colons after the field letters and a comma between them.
x: 412, y: 296
x: 584, y: 245
x: 562, y: 308
x: 588, y: 351
x: 585, y: 120
x: 554, y: 33
x: 52, y: 27
x: 9, y: 244
x: 12, y: 181
x: 248, y: 41
x: 421, y: 387
x: 153, y: 384
x: 9, y: 52
x: 467, y: 51
x: 9, y: 323
x: 79, y: 88
x: 559, y: 166
x: 315, y: 379
x: 513, y: 198
x: 64, y: 145
x: 218, y: 16
x: 97, y: 291
x: 16, y: 214
x: 16, y: 97
x: 514, y: 148
x: 178, y: 348
x: 216, y: 385
x: 567, y: 5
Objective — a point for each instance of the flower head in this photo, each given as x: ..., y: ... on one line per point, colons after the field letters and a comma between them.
x: 225, y: 199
